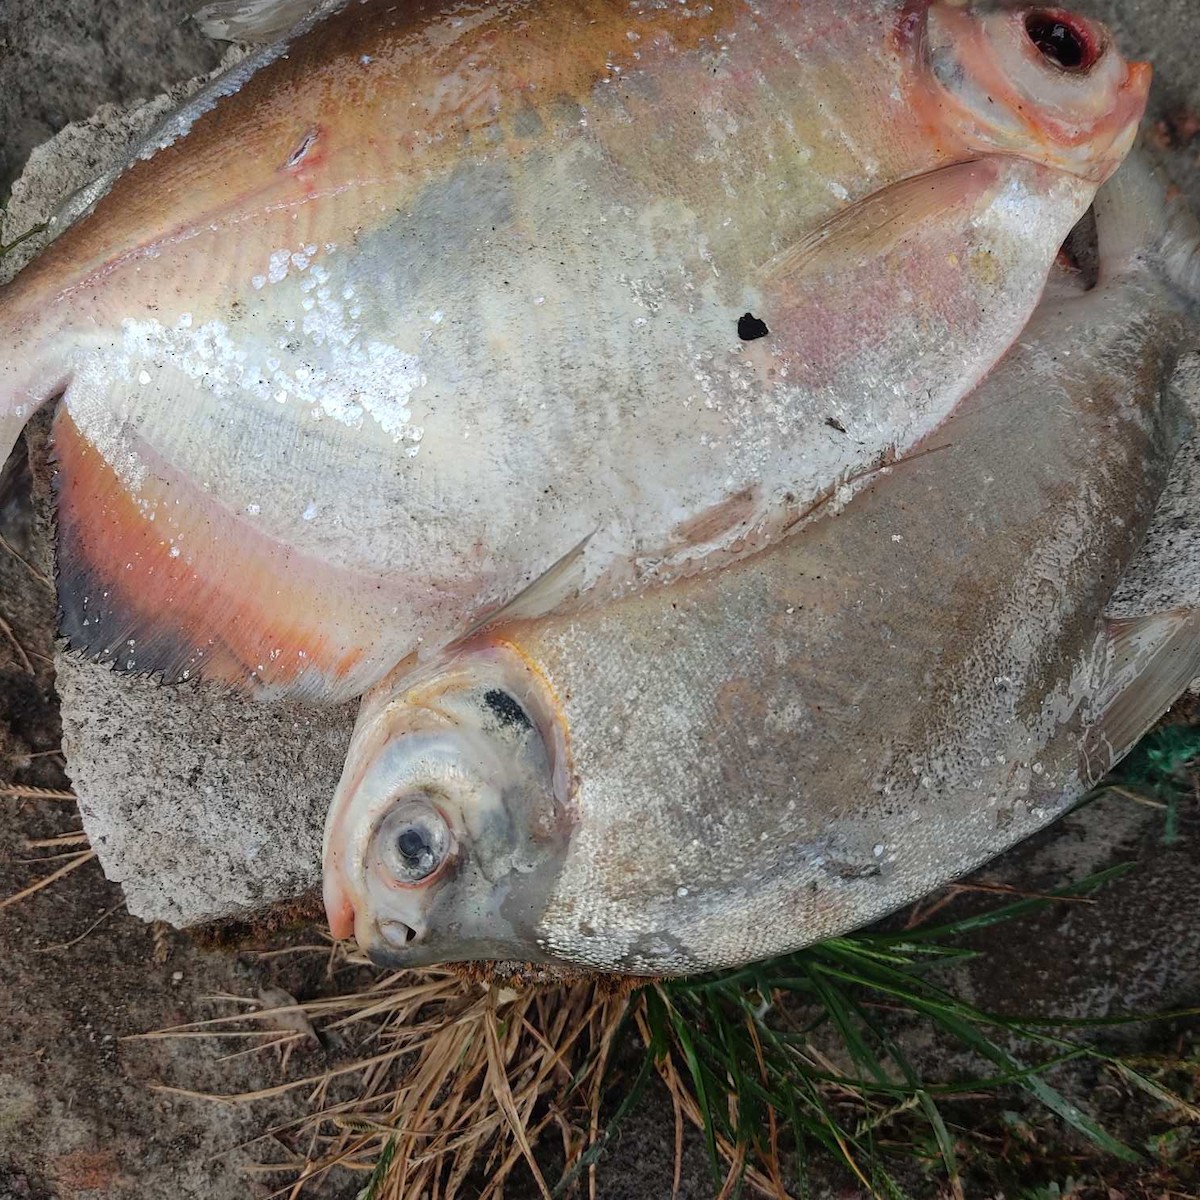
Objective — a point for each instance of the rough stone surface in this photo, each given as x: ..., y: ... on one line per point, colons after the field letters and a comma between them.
x: 204, y: 805
x: 220, y: 814
x: 59, y: 62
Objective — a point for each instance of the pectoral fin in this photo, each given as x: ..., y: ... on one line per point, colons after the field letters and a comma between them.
x: 563, y: 580
x: 877, y: 223
x: 1151, y: 661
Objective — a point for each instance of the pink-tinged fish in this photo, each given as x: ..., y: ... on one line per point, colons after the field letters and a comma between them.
x: 738, y: 764
x: 446, y: 294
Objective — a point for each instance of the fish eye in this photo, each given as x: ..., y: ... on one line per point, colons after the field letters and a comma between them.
x: 1062, y: 41
x: 415, y: 842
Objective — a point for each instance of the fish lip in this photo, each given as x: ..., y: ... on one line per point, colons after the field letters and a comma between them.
x: 339, y: 908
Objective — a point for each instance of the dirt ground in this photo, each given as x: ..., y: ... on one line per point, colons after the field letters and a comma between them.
x: 78, y: 1116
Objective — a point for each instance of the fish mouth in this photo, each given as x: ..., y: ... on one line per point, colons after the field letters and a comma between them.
x: 398, y: 945
x: 388, y: 942
x: 395, y: 939
x: 398, y: 934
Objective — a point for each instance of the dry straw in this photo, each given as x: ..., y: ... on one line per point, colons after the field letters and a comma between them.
x: 453, y: 1080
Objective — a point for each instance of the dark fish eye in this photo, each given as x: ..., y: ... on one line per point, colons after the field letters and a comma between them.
x: 414, y: 846
x: 1061, y: 40
x: 415, y: 842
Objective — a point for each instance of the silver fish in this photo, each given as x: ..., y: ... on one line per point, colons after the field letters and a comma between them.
x: 386, y: 321
x: 743, y: 763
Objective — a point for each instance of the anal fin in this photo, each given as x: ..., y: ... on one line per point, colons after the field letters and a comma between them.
x: 1151, y: 661
x: 161, y: 579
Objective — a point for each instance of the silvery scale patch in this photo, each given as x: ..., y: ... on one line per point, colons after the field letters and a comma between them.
x: 203, y: 805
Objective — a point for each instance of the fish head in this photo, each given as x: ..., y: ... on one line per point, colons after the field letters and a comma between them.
x: 1042, y: 83
x: 450, y: 823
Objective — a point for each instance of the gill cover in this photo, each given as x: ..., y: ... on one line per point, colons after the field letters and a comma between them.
x: 450, y: 823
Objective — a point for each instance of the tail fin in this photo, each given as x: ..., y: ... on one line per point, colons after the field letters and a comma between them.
x: 1144, y: 224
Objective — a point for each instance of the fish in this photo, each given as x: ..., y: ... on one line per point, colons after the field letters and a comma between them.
x: 742, y: 763
x: 426, y: 301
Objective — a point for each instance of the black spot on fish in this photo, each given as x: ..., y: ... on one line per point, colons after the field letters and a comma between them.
x: 751, y: 327
x: 507, y: 711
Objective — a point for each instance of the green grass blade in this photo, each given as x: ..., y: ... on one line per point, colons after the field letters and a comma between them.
x: 687, y: 1048
x: 379, y: 1173
x: 945, y: 1142
x: 1037, y: 1086
x: 1015, y: 910
x: 628, y: 1104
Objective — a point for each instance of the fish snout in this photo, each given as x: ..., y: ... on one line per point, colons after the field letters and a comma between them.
x: 388, y: 855
x: 392, y: 937
x: 1044, y: 83
x: 382, y: 937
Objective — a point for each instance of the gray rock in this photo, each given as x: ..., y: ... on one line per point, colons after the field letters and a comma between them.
x: 201, y: 805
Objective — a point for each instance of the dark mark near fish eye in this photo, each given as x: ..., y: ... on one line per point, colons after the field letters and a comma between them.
x: 507, y: 711
x: 750, y: 328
